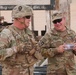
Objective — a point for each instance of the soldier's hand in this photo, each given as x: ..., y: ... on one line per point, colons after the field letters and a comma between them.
x: 19, y: 48
x: 60, y: 49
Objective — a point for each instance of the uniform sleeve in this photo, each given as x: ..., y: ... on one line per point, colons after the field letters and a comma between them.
x: 37, y: 52
x: 45, y: 44
x: 5, y: 44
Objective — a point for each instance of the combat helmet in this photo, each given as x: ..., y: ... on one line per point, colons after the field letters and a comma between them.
x: 20, y: 11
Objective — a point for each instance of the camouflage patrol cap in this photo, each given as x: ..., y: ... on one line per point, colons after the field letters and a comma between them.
x: 57, y: 15
x: 20, y: 11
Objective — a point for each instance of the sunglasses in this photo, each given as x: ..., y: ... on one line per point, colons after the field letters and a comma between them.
x: 57, y: 21
x: 27, y: 17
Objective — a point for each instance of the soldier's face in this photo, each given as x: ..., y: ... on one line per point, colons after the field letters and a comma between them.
x: 24, y: 22
x: 59, y: 24
x: 27, y: 21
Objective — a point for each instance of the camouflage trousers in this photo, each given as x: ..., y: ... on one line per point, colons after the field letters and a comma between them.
x: 61, y: 72
x: 17, y: 70
x: 56, y: 74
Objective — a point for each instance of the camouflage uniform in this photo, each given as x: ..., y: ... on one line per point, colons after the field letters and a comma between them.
x: 58, y: 63
x: 21, y: 62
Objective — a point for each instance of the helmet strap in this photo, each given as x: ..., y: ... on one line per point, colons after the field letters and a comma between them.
x: 22, y: 22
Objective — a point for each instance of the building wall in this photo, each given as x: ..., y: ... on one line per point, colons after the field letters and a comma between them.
x: 7, y: 15
x: 39, y: 19
x: 73, y: 15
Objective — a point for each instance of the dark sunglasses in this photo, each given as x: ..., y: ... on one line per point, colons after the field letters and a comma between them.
x: 57, y: 20
x: 27, y: 17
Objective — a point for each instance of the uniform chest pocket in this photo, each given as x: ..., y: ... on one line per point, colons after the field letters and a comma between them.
x: 28, y: 43
x: 56, y: 42
x: 68, y: 39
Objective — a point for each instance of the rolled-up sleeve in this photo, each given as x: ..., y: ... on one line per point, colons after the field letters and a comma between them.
x: 5, y: 43
x: 45, y: 44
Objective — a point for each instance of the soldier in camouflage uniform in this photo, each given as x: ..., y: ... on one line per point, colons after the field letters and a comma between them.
x: 18, y: 49
x: 54, y: 47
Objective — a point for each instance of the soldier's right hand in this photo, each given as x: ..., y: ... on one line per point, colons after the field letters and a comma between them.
x: 60, y: 49
x: 19, y: 48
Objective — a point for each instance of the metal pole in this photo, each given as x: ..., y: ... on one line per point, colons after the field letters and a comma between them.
x: 32, y: 23
x: 48, y: 20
